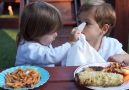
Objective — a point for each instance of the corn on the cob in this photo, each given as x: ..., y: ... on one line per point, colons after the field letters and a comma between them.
x: 98, y: 78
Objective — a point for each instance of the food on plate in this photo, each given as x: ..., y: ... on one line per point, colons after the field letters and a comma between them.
x: 126, y: 78
x: 112, y: 68
x: 98, y: 78
x: 125, y: 70
x: 93, y: 68
x: 112, y: 75
x: 22, y: 78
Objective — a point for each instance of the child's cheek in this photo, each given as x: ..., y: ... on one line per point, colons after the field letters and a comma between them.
x: 85, y: 32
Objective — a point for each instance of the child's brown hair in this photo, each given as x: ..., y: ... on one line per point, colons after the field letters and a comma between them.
x: 38, y: 18
x: 103, y: 13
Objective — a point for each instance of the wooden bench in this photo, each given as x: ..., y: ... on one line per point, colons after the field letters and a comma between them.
x: 9, y: 23
x: 121, y: 31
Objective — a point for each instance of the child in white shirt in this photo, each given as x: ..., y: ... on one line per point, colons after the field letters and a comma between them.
x: 100, y: 19
x: 39, y: 24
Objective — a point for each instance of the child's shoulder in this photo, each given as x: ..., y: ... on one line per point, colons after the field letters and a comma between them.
x: 32, y: 47
x: 110, y: 40
x: 112, y: 43
x: 30, y: 44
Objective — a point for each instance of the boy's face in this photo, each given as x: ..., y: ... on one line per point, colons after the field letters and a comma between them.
x: 92, y: 31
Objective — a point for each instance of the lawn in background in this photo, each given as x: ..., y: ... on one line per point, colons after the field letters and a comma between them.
x: 7, y: 47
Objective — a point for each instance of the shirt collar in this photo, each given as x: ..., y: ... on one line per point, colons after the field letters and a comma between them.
x: 104, y: 44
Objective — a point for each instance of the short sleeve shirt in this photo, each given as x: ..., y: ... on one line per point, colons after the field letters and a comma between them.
x: 109, y: 47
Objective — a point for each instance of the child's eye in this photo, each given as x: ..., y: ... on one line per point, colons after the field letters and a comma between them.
x: 87, y: 23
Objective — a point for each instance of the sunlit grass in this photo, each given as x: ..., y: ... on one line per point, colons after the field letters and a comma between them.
x: 8, y: 16
x: 11, y: 33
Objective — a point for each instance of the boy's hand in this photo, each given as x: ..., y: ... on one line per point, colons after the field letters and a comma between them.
x: 116, y: 58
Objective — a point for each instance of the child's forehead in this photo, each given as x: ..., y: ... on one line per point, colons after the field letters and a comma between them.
x: 86, y: 14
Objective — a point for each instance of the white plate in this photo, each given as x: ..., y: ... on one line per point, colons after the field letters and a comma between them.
x: 43, y: 74
x: 124, y: 86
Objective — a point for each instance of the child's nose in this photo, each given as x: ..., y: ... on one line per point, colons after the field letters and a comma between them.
x: 83, y: 31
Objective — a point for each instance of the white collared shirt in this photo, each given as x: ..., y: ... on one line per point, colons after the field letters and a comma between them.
x: 109, y: 46
x: 33, y: 53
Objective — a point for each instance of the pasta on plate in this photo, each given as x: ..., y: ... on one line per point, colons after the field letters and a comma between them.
x: 19, y: 77
x: 22, y: 78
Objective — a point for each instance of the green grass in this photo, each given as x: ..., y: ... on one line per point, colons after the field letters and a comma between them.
x: 8, y: 16
x: 7, y: 47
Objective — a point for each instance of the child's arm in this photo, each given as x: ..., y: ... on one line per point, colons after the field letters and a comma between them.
x: 37, y: 54
x: 123, y: 57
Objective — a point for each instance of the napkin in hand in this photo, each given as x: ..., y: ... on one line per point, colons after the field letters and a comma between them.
x: 81, y: 52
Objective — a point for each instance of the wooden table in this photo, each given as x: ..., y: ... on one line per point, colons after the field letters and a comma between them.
x: 61, y: 78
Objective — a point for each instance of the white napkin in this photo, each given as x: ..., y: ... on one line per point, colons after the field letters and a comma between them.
x: 81, y: 52
x: 81, y: 26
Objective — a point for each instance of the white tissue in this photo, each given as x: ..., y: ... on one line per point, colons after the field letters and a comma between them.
x: 81, y: 26
x: 81, y: 52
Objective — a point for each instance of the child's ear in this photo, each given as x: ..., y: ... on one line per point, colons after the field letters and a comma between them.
x: 105, y: 29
